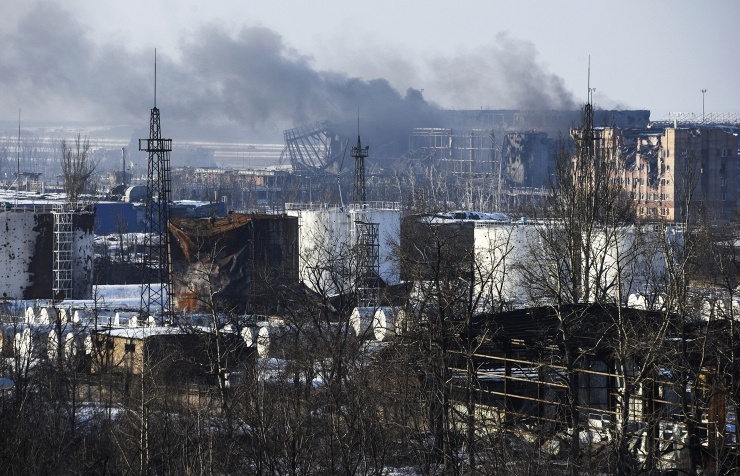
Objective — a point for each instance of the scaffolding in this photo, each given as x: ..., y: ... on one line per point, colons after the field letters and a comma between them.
x: 63, y: 239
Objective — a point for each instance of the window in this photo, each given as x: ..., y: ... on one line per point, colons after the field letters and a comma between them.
x: 129, y: 348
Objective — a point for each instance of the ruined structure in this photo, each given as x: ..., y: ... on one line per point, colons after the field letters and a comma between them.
x: 234, y: 263
x: 525, y: 375
x: 528, y: 159
x: 313, y: 148
x: 663, y: 168
x: 244, y: 191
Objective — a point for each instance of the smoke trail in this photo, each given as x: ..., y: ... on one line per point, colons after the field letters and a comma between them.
x: 505, y: 75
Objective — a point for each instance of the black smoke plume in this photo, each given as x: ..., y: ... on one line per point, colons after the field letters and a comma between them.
x: 248, y: 86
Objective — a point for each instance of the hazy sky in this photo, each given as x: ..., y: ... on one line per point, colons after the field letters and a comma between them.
x: 252, y: 68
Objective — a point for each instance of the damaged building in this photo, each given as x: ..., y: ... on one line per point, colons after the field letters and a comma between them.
x: 46, y: 254
x: 234, y: 263
x: 528, y: 159
x: 658, y: 167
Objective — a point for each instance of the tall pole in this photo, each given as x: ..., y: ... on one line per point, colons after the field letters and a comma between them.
x: 18, y: 161
x: 703, y: 93
x: 123, y: 165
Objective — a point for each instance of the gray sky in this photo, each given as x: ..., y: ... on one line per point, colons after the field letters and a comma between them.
x: 252, y: 68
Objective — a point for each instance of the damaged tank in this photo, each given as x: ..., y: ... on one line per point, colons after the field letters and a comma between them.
x: 234, y: 263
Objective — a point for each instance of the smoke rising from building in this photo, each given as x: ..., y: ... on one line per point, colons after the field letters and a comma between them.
x: 247, y: 86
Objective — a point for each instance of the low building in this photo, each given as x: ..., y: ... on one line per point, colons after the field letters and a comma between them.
x: 560, y: 367
x: 174, y: 354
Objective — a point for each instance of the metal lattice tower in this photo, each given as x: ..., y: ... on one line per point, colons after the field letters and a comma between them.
x: 368, y: 266
x: 359, y: 154
x: 156, y: 265
x: 62, y: 253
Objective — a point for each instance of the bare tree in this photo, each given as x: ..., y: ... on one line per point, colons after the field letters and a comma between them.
x: 77, y: 167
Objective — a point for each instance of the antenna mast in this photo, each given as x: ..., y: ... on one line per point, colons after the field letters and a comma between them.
x: 155, y: 300
x: 123, y: 165
x: 359, y: 153
x: 18, y: 161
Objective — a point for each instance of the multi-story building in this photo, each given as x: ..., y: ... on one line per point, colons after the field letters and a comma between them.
x: 669, y: 171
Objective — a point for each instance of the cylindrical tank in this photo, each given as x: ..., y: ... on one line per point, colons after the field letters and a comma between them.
x: 388, y: 322
x: 361, y: 322
x: 30, y: 315
x: 48, y: 315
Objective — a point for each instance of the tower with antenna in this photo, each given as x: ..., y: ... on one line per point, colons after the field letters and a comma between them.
x: 359, y: 154
x: 585, y: 134
x: 366, y: 233
x: 156, y: 266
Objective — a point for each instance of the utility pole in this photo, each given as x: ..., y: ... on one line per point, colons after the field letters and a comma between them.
x: 703, y: 93
x: 123, y: 167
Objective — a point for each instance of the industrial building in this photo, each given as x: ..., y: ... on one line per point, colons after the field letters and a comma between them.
x: 176, y: 355
x: 526, y: 376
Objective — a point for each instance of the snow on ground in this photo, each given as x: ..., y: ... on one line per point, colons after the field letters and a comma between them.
x: 124, y: 296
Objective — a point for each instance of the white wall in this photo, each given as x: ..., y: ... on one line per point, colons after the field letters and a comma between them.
x: 17, y: 243
x: 328, y: 233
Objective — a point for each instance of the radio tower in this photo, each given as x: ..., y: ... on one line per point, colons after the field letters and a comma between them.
x: 359, y: 155
x: 156, y: 267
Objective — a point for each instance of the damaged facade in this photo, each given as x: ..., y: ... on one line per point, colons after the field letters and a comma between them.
x: 528, y: 159
x: 661, y: 169
x: 232, y: 263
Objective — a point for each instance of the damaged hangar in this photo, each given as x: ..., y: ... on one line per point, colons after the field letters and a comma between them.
x: 232, y: 263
